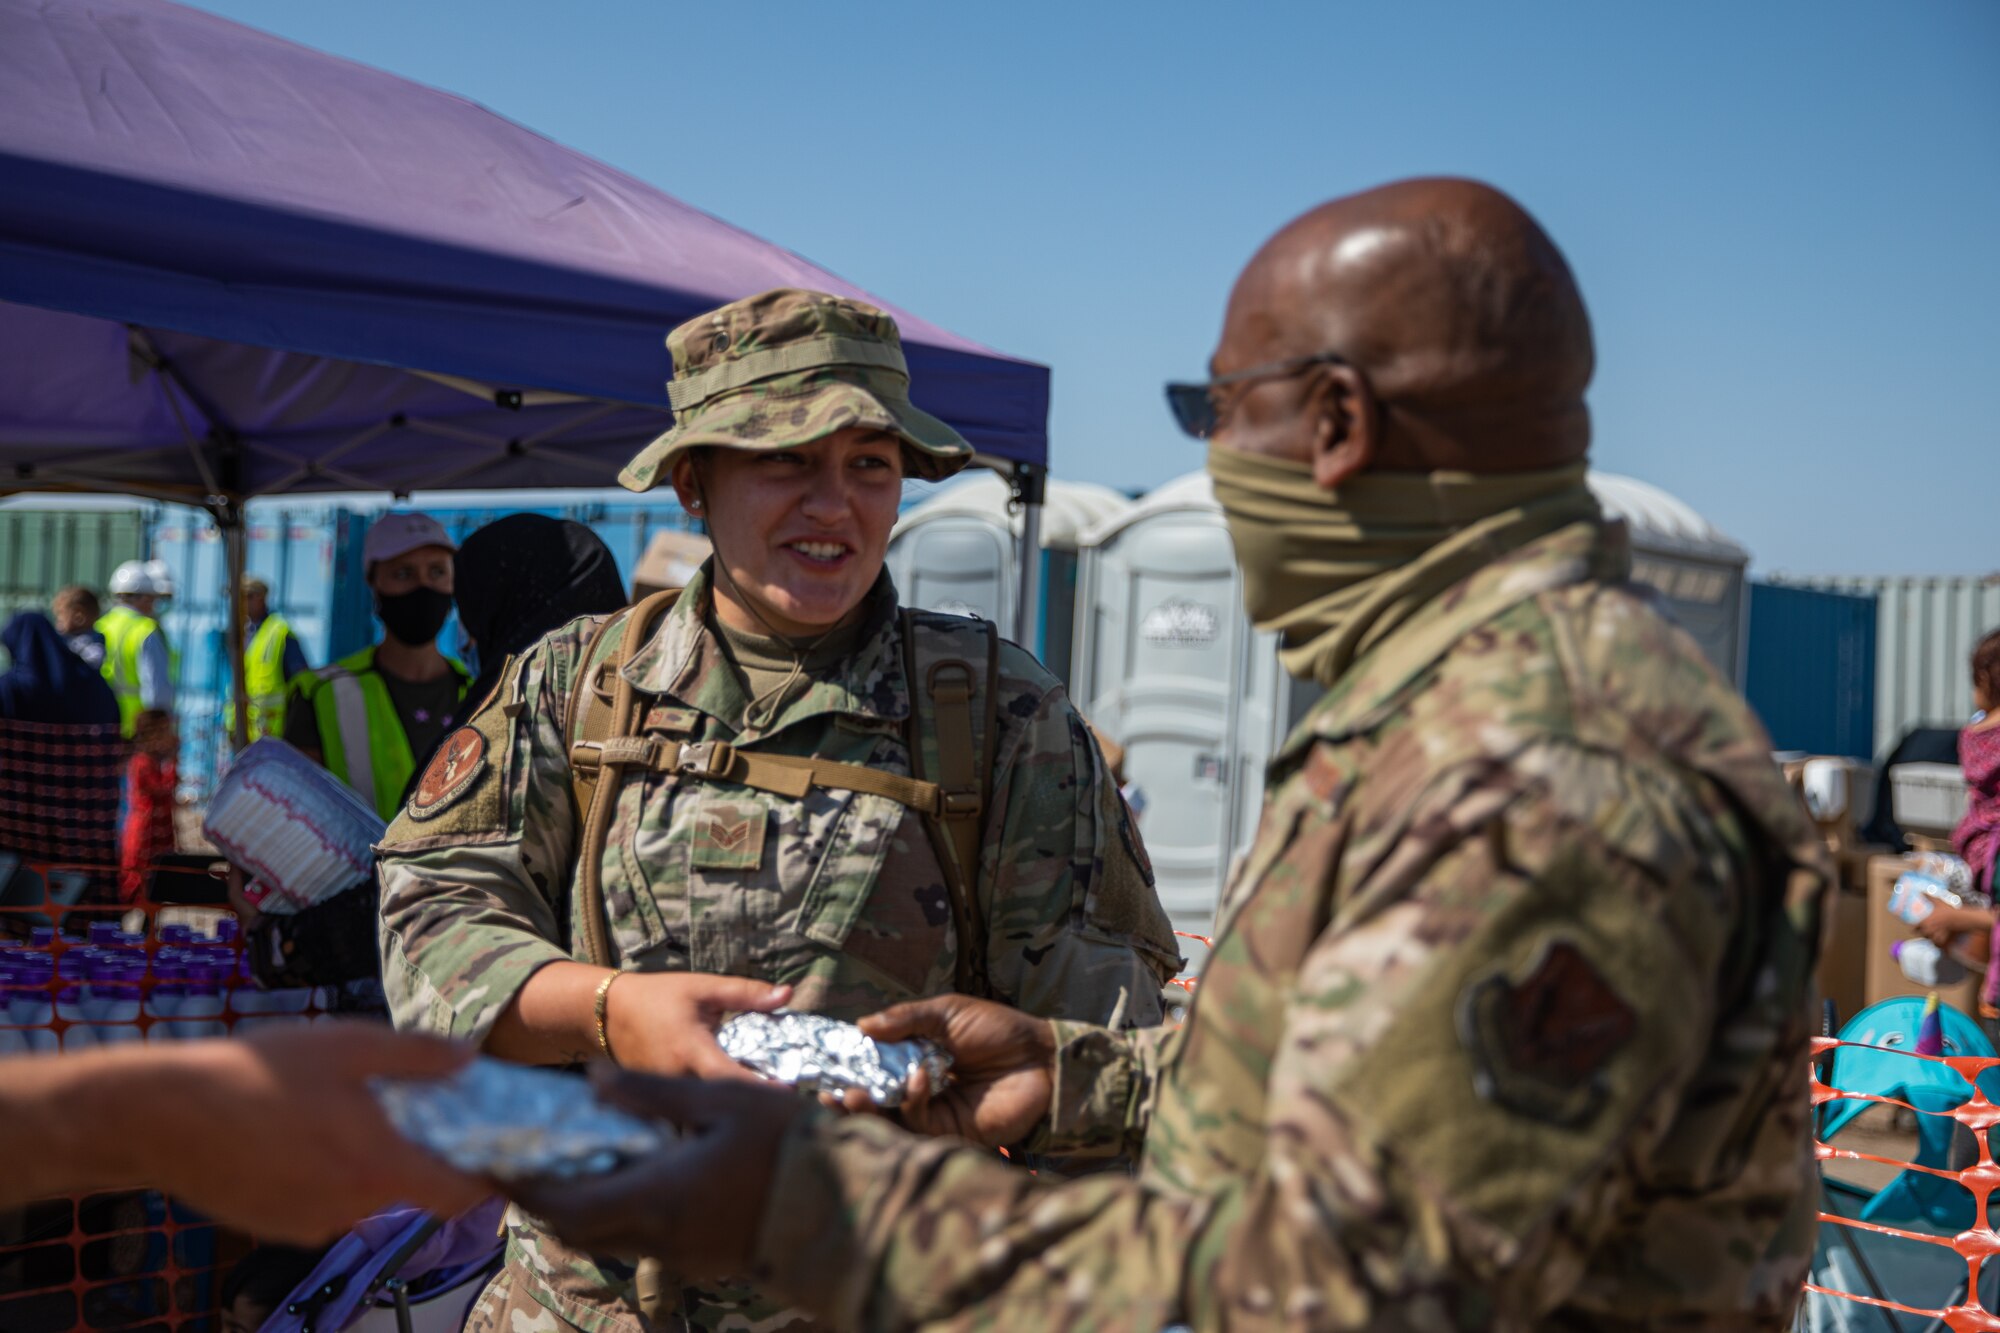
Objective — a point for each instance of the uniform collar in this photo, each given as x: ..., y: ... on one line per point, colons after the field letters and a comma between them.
x: 1593, y: 549
x: 684, y: 660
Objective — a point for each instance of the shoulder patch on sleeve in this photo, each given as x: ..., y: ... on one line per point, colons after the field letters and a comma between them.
x: 457, y: 764
x: 462, y: 795
x: 1539, y: 1042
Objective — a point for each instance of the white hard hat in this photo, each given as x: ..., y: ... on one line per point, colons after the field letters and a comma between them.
x: 397, y: 534
x: 129, y: 577
x: 141, y: 577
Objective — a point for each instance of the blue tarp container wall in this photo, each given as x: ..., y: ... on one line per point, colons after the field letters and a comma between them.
x: 1811, y: 673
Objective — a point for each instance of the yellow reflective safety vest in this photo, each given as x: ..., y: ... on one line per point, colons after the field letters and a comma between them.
x: 125, y: 632
x: 361, y: 739
x: 264, y: 676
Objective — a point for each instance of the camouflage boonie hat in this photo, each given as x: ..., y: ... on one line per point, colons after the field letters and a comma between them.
x: 785, y: 368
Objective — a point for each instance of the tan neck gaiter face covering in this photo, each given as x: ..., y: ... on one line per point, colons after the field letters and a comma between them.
x: 1332, y: 572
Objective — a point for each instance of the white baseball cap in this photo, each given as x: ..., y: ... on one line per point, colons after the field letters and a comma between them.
x: 398, y: 534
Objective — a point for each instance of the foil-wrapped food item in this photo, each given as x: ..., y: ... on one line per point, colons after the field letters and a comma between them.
x: 814, y: 1053
x: 511, y: 1122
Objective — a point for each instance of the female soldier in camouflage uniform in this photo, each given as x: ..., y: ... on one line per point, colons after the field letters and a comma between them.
x: 767, y: 833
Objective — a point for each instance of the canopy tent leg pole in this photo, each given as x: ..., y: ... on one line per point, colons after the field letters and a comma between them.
x: 235, y: 548
x: 1030, y: 485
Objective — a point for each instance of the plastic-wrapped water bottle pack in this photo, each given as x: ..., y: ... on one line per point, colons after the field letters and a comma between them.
x: 301, y: 833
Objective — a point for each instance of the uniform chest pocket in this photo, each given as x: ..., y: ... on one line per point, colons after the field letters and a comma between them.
x: 722, y: 870
x: 755, y: 883
x: 877, y: 896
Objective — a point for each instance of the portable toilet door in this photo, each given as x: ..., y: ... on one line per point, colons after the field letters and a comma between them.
x: 1170, y: 667
x: 957, y: 558
x: 957, y: 552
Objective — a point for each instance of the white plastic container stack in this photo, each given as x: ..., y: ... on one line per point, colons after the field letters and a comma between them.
x: 1928, y: 798
x: 299, y: 832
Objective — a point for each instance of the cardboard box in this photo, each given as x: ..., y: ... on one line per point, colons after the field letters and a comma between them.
x: 1883, y: 979
x: 1843, y: 963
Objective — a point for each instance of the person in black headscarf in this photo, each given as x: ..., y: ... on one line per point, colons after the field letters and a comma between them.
x: 517, y: 578
x: 520, y: 577
x: 48, y: 682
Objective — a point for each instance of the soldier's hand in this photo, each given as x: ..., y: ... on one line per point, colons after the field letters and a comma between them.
x: 699, y: 1203
x: 665, y: 1022
x: 1002, y: 1067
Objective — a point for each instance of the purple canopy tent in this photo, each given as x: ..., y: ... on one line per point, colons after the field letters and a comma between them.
x: 232, y: 266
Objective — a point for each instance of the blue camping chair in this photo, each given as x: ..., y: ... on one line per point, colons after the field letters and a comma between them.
x: 1924, y: 1084
x: 402, y: 1270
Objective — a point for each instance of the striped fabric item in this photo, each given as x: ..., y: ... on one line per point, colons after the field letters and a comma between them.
x: 59, y: 791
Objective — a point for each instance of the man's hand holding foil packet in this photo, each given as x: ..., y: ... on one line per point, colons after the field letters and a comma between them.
x: 681, y: 1167
x: 701, y: 1200
x: 512, y: 1123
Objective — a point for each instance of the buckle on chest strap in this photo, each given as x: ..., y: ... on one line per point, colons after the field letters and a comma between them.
x: 705, y: 759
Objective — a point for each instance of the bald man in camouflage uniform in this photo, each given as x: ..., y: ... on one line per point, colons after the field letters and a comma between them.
x: 837, y: 894
x: 1507, y: 1023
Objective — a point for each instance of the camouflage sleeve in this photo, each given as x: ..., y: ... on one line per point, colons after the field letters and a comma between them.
x: 1104, y: 1085
x: 1074, y: 927
x: 1479, y: 1055
x: 475, y: 883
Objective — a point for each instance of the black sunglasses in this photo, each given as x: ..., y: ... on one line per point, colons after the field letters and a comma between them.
x: 1194, y: 404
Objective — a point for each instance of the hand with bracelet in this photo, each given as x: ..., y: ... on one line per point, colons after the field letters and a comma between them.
x: 653, y: 1022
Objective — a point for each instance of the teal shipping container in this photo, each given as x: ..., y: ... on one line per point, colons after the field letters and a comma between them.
x: 42, y: 550
x: 1811, y: 669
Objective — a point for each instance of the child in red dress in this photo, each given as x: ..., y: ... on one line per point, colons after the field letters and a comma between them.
x: 150, y: 778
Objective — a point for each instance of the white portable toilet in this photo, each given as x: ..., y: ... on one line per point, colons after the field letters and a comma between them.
x: 1168, y: 664
x: 1699, y: 572
x: 956, y: 552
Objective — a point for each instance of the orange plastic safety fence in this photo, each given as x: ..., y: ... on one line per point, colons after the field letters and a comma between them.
x: 1185, y: 981
x: 74, y: 976
x: 1975, y: 1245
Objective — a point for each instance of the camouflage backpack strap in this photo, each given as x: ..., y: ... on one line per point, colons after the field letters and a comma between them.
x: 602, y: 709
x: 947, y: 688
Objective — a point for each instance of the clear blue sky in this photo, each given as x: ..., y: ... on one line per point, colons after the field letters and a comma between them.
x: 1785, y: 216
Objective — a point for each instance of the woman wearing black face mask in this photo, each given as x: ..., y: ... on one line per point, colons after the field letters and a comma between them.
x: 368, y: 716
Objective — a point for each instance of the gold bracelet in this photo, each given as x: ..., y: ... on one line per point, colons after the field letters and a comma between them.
x: 600, y: 1008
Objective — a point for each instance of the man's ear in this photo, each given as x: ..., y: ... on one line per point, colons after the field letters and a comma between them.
x: 1346, y: 426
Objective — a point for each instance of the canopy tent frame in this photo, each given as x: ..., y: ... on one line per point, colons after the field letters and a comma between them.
x: 234, y: 267
x: 1029, y: 488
